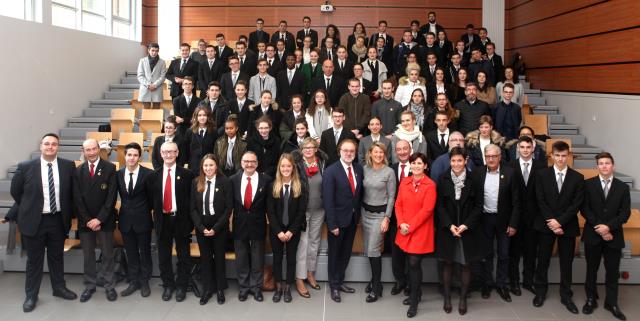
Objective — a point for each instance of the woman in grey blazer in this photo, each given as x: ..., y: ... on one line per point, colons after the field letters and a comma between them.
x: 151, y: 75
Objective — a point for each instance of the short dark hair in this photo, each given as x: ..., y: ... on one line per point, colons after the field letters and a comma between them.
x: 214, y: 83
x: 242, y: 83
x: 443, y: 113
x: 153, y: 45
x: 382, y: 21
x: 242, y: 43
x: 338, y: 110
x: 470, y: 26
x: 508, y: 85
x: 50, y: 135
x: 212, y: 46
x: 417, y: 155
x: 189, y: 78
x: 458, y: 151
x: 605, y: 155
x: 220, y: 35
x: 526, y: 127
x: 306, y: 17
x: 347, y: 140
x: 415, y: 22
x: 301, y: 121
x: 525, y: 139
x: 171, y: 119
x: 560, y: 146
x: 184, y: 44
x: 490, y: 44
x: 260, y: 20
x: 431, y: 13
x: 483, y: 29
x: 133, y: 145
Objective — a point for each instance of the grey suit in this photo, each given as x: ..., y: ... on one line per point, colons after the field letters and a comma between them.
x: 147, y: 77
x: 255, y: 88
x: 366, y: 142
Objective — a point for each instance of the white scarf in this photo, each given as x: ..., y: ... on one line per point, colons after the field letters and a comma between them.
x: 409, y: 136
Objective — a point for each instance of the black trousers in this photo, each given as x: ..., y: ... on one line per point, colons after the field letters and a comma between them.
x: 340, y: 248
x: 50, y: 236
x: 279, y: 248
x: 398, y: 256
x: 566, y: 252
x: 491, y: 232
x: 166, y: 238
x: 523, y: 245
x: 137, y: 246
x: 212, y: 261
x: 593, y: 255
x: 249, y: 264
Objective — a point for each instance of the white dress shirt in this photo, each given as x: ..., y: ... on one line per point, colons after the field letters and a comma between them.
x: 254, y: 185
x: 211, y: 195
x: 44, y: 172
x: 353, y: 172
x: 491, y: 191
x: 135, y: 177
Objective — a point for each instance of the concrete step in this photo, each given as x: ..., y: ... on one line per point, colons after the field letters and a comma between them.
x: 556, y: 119
x: 6, y: 201
x: 69, y: 148
x: 533, y: 100
x: 522, y: 77
x: 575, y: 139
x: 533, y: 92
x: 635, y: 196
x: 130, y: 73
x: 129, y: 80
x: 563, y: 129
x: 97, y: 112
x: 586, y: 150
x: 98, y: 103
x: 546, y: 109
x: 66, y: 155
x: 72, y: 141
x: 626, y: 179
x: 83, y: 122
x: 125, y: 95
x: 583, y: 163
x: 77, y: 133
x: 123, y: 87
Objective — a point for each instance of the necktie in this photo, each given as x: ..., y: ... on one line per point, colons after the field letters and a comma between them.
x: 247, y: 194
x: 559, y: 182
x: 188, y: 99
x: 290, y: 75
x: 53, y: 207
x: 525, y: 173
x: 337, y: 136
x: 443, y: 144
x: 606, y: 187
x: 91, y: 170
x: 184, y: 62
x: 241, y: 61
x: 202, y: 133
x: 130, y: 185
x: 262, y: 84
x: 379, y: 53
x: 306, y: 32
x: 207, y: 210
x: 270, y: 62
x: 351, y: 181
x: 167, y: 204
x: 230, y: 155
x: 285, y: 209
x: 328, y: 83
x: 330, y: 55
x: 282, y: 36
x: 402, y: 166
x: 210, y: 64
x: 341, y: 65
x: 235, y: 78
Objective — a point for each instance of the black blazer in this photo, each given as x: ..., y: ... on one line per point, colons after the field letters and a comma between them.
x: 300, y: 38
x: 96, y: 197
x: 250, y: 224
x: 275, y: 67
x: 243, y: 115
x: 257, y: 36
x: 289, y: 41
x: 346, y: 72
x: 613, y: 211
x: 207, y: 75
x: 220, y: 112
x: 195, y: 147
x: 297, y: 211
x: 191, y: 69
x: 341, y: 205
x: 156, y: 157
x: 26, y: 190
x: 388, y: 45
x: 508, y: 196
x: 226, y: 83
x: 324, y: 55
x: 335, y: 91
x: 182, y: 190
x: 135, y: 208
x: 434, y: 149
x: 563, y: 206
x: 498, y: 67
x: 528, y: 200
x: 286, y: 90
x: 329, y: 145
x: 224, y: 56
x: 181, y: 109
x: 222, y: 206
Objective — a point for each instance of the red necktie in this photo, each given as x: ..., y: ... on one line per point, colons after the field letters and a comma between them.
x: 91, y: 171
x: 167, y: 202
x: 402, y: 166
x: 247, y: 194
x: 351, y: 181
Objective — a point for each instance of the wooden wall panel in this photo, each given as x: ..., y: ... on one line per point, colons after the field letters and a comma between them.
x: 536, y: 10
x: 622, y: 78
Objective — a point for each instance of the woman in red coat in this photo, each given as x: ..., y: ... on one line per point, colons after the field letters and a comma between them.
x: 414, y: 213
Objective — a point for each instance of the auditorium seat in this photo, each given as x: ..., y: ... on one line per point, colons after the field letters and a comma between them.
x: 150, y: 121
x: 122, y: 120
x: 151, y: 143
x: 539, y: 123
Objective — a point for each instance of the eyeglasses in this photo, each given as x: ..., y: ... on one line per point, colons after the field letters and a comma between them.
x: 168, y: 152
x: 308, y: 148
x: 249, y: 161
x: 491, y: 156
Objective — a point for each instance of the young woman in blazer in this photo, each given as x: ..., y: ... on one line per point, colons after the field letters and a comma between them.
x: 200, y: 138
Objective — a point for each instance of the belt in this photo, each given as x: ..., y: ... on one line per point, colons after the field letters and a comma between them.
x: 54, y: 213
x: 170, y: 213
x: 490, y: 213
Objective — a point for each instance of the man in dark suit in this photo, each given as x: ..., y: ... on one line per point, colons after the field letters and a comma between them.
x: 366, y: 86
x: 438, y: 139
x: 289, y: 82
x: 501, y: 212
x: 223, y: 51
x: 328, y: 52
x: 181, y: 67
x: 228, y: 80
x: 451, y: 74
x: 218, y: 105
x: 484, y: 40
x: 471, y: 39
x: 496, y: 62
x: 134, y: 220
x: 401, y: 169
x: 258, y: 36
x: 401, y: 51
x: 210, y: 70
x: 524, y: 244
x: 471, y: 109
x: 306, y: 31
x: 382, y: 33
x: 606, y: 208
x: 334, y: 85
x: 282, y: 33
x: 273, y: 61
x: 478, y: 64
x: 249, y: 226
x: 42, y: 191
x: 506, y: 114
x: 95, y: 194
x: 341, y: 197
x: 169, y: 190
x: 331, y: 138
x: 185, y: 104
x: 431, y: 26
x: 281, y: 51
x: 432, y: 48
x: 343, y: 66
x: 560, y: 191
x: 247, y: 62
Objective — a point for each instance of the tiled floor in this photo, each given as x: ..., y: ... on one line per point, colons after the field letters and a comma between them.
x: 318, y: 308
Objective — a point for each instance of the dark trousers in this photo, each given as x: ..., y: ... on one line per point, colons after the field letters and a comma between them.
x: 249, y: 264
x: 212, y: 261
x: 523, y: 245
x: 50, y: 236
x: 398, y: 257
x: 166, y: 237
x: 593, y: 254
x: 340, y: 248
x: 491, y: 232
x: 137, y: 246
x: 89, y: 240
x: 279, y: 249
x: 566, y: 251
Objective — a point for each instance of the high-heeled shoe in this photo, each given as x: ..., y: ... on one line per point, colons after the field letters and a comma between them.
x: 312, y: 281
x: 447, y: 304
x: 302, y: 290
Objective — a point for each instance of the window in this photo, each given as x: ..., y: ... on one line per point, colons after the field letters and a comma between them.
x: 30, y: 10
x: 107, y: 17
x: 121, y: 19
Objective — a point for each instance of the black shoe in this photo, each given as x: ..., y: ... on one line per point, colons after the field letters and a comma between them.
x: 486, y: 292
x: 368, y: 288
x: 347, y: 289
x: 287, y: 294
x: 504, y: 293
x: 515, y: 289
x: 86, y: 295
x: 242, y: 296
x: 167, y: 293
x: 29, y: 304
x: 538, y: 301
x: 335, y: 295
x: 568, y: 303
x: 112, y: 295
x: 589, y: 306
x: 413, y: 310
x: 529, y: 288
x: 462, y: 306
x: 397, y: 288
x: 65, y: 293
x: 181, y: 294
x: 372, y: 297
x: 131, y: 289
x: 615, y: 310
x: 407, y: 301
x: 447, y: 305
x: 406, y: 291
x: 145, y: 291
x: 204, y: 298
x: 257, y: 295
x: 277, y: 295
x: 220, y: 297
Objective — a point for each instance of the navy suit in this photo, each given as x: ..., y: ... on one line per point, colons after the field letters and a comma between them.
x: 507, y: 119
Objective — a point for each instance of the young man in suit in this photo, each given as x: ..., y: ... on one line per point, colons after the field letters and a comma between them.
x: 169, y: 189
x: 438, y: 139
x: 210, y: 70
x: 134, y: 220
x: 453, y: 68
x: 259, y: 35
x: 560, y: 191
x: 281, y: 51
x: 249, y: 226
x: 431, y: 26
x: 42, y: 191
x: 185, y: 104
x: 402, y: 169
x: 273, y: 61
x: 181, y: 67
x: 306, y: 31
x: 344, y: 66
x: 484, y: 40
x: 247, y: 62
x: 282, y: 33
x: 151, y: 75
x: 382, y: 33
x: 471, y: 39
x: 524, y: 244
x: 331, y: 138
x: 401, y: 51
x: 496, y: 62
x: 606, y: 208
x: 500, y: 215
x: 507, y: 115
x: 95, y: 195
x: 223, y: 51
x: 334, y: 85
x: 478, y: 64
x: 357, y: 108
x: 341, y: 197
x: 218, y: 105
x: 229, y: 80
x: 289, y: 82
x: 328, y: 52
x: 262, y: 81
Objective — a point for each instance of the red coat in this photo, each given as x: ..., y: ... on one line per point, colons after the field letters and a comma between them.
x: 416, y: 209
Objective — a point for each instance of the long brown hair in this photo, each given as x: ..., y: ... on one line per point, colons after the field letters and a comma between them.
x: 447, y: 108
x: 296, y: 186
x: 194, y: 119
x: 200, y: 186
x: 312, y: 103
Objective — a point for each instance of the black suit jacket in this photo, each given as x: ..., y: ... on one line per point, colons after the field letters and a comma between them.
x: 257, y: 36
x: 250, y: 224
x: 562, y: 206
x: 289, y: 42
x: 341, y: 205
x: 182, y: 191
x: 195, y: 147
x: 26, y: 190
x: 222, y: 206
x: 508, y: 196
x: 329, y: 145
x: 434, y: 149
x: 300, y: 38
x: 475, y: 43
x: 135, y: 208
x: 226, y: 82
x: 388, y: 45
x: 96, y: 197
x: 345, y: 72
x: 275, y: 67
x: 181, y: 109
x: 207, y: 75
x: 528, y: 200
x: 243, y: 115
x: 156, y: 157
x: 498, y: 67
x: 224, y: 56
x: 286, y: 90
x: 612, y: 211
x: 249, y: 66
x: 190, y: 69
x: 324, y: 55
x: 337, y: 89
x: 297, y: 208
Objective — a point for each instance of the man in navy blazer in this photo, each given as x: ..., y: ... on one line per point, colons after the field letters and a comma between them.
x: 342, y: 193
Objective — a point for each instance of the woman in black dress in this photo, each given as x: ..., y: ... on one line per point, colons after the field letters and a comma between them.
x: 266, y: 144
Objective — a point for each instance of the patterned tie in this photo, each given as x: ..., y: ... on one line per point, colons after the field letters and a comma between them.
x: 235, y: 78
x: 285, y: 209
x: 207, y: 204
x: 247, y: 194
x: 525, y: 173
x: 560, y: 181
x: 184, y: 62
x: 351, y: 181
x: 167, y: 204
x: 53, y: 207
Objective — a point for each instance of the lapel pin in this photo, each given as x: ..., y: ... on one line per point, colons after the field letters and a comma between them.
x: 217, y: 189
x: 501, y: 176
x: 178, y: 177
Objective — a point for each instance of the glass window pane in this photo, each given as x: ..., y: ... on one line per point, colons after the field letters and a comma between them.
x: 14, y: 9
x: 121, y: 29
x: 70, y: 3
x: 121, y: 9
x: 63, y: 17
x: 93, y: 23
x: 95, y: 6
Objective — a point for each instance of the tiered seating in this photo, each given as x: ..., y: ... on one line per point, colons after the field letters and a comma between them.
x: 122, y: 120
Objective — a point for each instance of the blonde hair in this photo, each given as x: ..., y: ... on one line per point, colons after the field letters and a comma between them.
x: 296, y: 186
x: 412, y: 66
x: 368, y: 158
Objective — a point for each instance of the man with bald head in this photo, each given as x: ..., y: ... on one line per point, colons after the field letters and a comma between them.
x: 333, y: 84
x: 94, y: 193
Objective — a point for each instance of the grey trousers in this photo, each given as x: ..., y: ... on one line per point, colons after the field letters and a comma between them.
x: 249, y: 264
x: 88, y: 240
x: 307, y: 254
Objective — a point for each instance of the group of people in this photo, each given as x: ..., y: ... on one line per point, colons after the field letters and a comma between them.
x: 259, y: 157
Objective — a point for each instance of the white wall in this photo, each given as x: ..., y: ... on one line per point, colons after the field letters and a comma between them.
x: 49, y: 74
x: 493, y: 15
x: 609, y: 122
